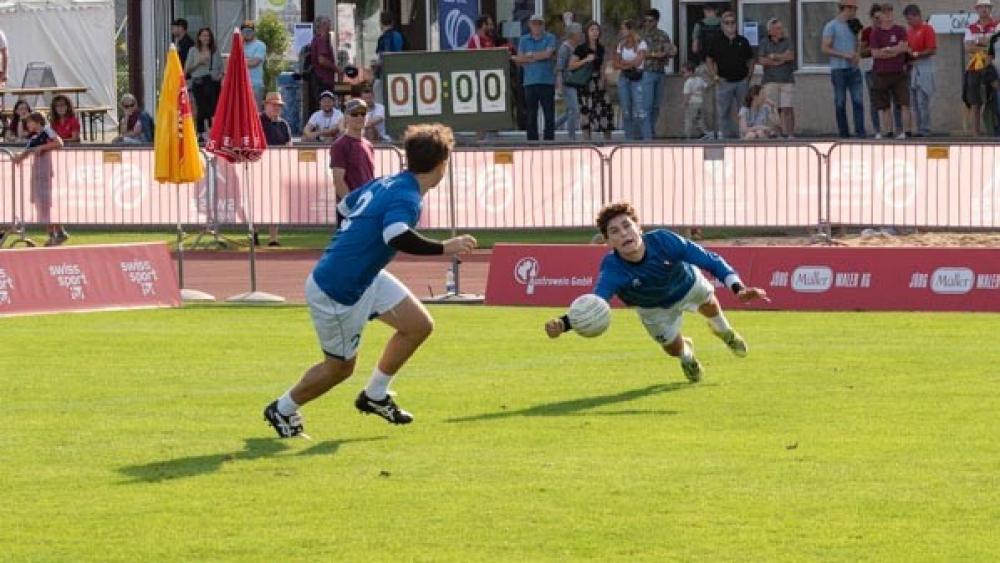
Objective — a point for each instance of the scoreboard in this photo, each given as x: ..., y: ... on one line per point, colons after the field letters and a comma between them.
x: 467, y: 90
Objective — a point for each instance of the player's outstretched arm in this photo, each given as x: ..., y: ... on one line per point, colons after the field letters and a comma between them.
x: 405, y: 239
x: 462, y: 244
x: 748, y: 294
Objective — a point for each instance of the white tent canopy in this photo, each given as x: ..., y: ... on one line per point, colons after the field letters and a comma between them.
x: 75, y: 37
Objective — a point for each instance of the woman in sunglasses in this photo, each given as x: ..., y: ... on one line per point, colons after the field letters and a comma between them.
x: 132, y: 127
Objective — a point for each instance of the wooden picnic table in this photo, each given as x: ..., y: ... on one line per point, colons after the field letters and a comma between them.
x: 41, y: 91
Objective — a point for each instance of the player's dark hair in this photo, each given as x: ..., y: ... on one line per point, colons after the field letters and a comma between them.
x: 427, y: 145
x: 612, y: 210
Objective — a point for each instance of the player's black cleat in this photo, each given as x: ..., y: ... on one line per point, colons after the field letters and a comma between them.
x: 386, y: 408
x: 286, y: 426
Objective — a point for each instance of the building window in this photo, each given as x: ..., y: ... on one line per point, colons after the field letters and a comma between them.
x: 813, y: 15
x: 754, y: 15
x: 582, y: 11
x: 612, y: 16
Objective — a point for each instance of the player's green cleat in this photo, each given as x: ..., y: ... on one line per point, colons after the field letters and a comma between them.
x: 733, y: 341
x: 692, y: 369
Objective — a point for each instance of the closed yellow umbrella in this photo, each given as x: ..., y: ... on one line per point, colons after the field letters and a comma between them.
x: 176, y: 145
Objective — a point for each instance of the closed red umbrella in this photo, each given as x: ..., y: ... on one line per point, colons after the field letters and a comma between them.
x: 237, y: 134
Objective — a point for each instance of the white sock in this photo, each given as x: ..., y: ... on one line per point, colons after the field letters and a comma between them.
x: 286, y: 405
x: 687, y: 352
x: 719, y: 323
x: 378, y: 385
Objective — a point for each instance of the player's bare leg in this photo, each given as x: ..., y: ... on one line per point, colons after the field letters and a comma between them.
x: 413, y: 324
x: 283, y: 414
x: 720, y: 327
x: 681, y: 347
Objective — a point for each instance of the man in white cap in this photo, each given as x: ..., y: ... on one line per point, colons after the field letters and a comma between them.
x: 324, y: 124
x: 535, y: 55
x: 976, y: 42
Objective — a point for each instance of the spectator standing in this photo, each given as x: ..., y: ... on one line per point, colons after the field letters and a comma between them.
x: 629, y: 58
x: 976, y: 44
x: 660, y: 49
x: 777, y: 57
x: 352, y: 157
x: 203, y: 70
x: 889, y: 48
x: 757, y: 115
x: 3, y: 59
x: 922, y: 42
x: 17, y: 130
x: 135, y: 126
x: 574, y: 38
x: 535, y: 53
x: 866, y: 65
x: 390, y: 41
x: 375, y: 122
x: 256, y: 55
x: 180, y: 38
x: 840, y: 43
x: 595, y: 109
x: 730, y: 63
x: 705, y: 32
x: 994, y: 42
x: 277, y: 133
x: 324, y: 65
x: 323, y: 125
x: 694, y: 102
x: 64, y: 121
x: 42, y: 142
x: 483, y: 38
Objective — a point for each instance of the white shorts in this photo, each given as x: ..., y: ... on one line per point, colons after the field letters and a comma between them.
x: 781, y: 94
x: 339, y: 327
x: 664, y: 323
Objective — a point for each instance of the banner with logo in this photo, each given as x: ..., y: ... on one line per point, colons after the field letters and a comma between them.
x: 457, y: 23
x: 796, y: 278
x: 81, y: 278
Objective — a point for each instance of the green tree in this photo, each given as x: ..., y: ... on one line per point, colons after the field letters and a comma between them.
x: 271, y: 30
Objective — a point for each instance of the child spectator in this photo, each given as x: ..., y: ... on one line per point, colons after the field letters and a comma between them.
x: 17, y: 129
x: 757, y: 115
x: 64, y: 120
x: 694, y: 102
x: 43, y: 141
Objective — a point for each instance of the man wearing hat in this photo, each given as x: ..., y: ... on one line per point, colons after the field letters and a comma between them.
x: 256, y: 53
x: 976, y: 42
x: 535, y: 55
x: 277, y: 133
x: 323, y: 125
x: 352, y: 156
x: 180, y: 38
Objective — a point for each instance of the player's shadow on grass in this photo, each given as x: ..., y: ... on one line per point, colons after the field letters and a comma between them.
x: 254, y: 448
x: 576, y: 407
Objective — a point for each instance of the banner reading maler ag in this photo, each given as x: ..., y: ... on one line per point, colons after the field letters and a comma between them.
x: 467, y: 90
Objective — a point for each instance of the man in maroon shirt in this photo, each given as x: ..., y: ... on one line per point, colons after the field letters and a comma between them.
x: 324, y: 66
x: 352, y: 157
x: 892, y: 84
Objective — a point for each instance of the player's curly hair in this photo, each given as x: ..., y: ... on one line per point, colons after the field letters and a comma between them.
x: 612, y: 210
x: 427, y: 145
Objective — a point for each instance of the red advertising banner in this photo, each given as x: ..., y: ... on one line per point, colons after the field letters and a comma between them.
x: 85, y: 278
x: 796, y: 278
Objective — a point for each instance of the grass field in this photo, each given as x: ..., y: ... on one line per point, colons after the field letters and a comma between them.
x: 137, y: 436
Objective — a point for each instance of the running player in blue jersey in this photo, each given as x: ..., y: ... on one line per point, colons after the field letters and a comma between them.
x: 655, y: 273
x: 349, y: 287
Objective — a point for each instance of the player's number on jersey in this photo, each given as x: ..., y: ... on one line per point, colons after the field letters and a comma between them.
x: 363, y: 202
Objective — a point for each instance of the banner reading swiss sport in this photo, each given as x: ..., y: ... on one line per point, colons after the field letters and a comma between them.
x: 796, y: 278
x: 81, y: 278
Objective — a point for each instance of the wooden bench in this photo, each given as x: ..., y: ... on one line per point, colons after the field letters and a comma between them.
x: 89, y: 115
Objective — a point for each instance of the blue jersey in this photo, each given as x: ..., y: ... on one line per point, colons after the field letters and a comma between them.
x: 373, y: 215
x: 663, y: 276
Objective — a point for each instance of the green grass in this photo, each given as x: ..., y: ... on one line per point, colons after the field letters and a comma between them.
x: 137, y: 436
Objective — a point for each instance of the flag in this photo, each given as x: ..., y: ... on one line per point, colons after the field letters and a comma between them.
x: 237, y: 134
x: 175, y: 147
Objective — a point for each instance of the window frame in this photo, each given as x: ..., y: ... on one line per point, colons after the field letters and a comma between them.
x: 803, y: 66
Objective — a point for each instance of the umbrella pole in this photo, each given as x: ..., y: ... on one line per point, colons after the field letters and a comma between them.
x: 456, y: 295
x: 253, y: 296
x: 186, y: 294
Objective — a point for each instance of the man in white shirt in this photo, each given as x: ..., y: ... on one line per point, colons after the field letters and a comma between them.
x: 324, y: 125
x: 375, y: 124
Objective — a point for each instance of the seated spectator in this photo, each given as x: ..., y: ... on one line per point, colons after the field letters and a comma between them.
x: 757, y: 115
x: 17, y: 129
x: 43, y: 140
x: 375, y: 123
x: 277, y: 133
x: 135, y: 126
x: 64, y: 120
x: 324, y: 125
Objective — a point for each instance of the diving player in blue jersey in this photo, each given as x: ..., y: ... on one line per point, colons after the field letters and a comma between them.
x: 349, y: 287
x: 655, y: 273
